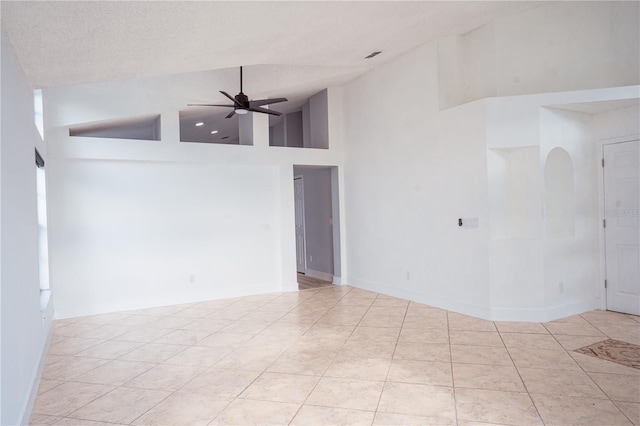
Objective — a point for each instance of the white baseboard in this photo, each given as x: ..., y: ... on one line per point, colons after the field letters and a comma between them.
x: 519, y: 315
x: 427, y: 299
x: 337, y: 280
x: 544, y: 314
x: 155, y: 300
x: 574, y: 308
x: 35, y: 383
x: 492, y: 314
x: 319, y: 275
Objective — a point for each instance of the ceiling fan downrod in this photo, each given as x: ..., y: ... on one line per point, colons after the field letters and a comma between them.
x: 242, y: 105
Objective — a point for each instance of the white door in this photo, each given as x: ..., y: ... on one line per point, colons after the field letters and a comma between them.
x: 298, y: 186
x: 622, y: 230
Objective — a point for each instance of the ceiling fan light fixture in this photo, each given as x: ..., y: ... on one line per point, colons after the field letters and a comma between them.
x: 242, y: 104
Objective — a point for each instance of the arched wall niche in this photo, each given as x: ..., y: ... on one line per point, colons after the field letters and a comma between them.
x: 559, y: 195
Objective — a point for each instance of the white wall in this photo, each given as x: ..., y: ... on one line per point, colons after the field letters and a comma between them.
x: 557, y: 47
x: 318, y: 121
x: 149, y: 217
x: 567, y: 46
x: 525, y: 257
x: 571, y: 279
x: 24, y: 333
x: 620, y: 122
x: 411, y: 172
x: 135, y: 234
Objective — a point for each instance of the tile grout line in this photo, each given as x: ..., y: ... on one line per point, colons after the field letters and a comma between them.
x: 395, y: 347
x: 329, y: 365
x: 453, y: 382
x: 122, y: 386
x: 521, y: 379
x: 156, y: 365
x: 259, y: 375
x: 596, y: 383
x: 71, y: 380
x: 326, y: 308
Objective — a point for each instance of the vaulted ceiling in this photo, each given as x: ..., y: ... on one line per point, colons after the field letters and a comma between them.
x: 296, y: 43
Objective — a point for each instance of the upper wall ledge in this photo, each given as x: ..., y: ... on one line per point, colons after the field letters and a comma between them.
x: 592, y: 101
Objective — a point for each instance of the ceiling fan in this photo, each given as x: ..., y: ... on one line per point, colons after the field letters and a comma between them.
x: 242, y: 105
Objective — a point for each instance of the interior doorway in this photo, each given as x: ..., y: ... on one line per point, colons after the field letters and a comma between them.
x: 317, y: 225
x: 622, y: 226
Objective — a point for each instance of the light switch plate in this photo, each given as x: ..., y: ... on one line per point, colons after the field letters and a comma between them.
x: 469, y: 222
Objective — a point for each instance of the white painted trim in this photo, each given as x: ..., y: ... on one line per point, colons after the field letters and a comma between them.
x: 520, y: 315
x: 337, y: 280
x: 543, y: 315
x: 602, y: 293
x: 304, y: 223
x: 35, y: 383
x: 336, y: 224
x: 156, y: 300
x: 569, y: 309
x: 496, y: 314
x: 319, y: 275
x: 443, y: 303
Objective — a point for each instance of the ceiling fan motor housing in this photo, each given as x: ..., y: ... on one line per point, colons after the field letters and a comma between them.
x: 243, y: 100
x: 242, y: 105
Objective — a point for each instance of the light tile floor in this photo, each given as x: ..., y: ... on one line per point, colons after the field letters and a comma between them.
x: 305, y: 282
x: 334, y: 355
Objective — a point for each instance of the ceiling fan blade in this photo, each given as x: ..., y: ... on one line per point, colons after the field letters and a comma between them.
x: 265, y: 111
x: 231, y: 114
x: 208, y: 105
x: 261, y: 102
x: 231, y: 97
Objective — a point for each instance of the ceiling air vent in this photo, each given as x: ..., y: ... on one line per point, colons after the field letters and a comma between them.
x: 371, y: 55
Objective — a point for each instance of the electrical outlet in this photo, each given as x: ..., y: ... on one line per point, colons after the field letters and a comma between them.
x: 561, y: 287
x: 408, y: 275
x: 192, y: 278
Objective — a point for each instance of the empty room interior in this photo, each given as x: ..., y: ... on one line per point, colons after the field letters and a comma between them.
x: 338, y: 212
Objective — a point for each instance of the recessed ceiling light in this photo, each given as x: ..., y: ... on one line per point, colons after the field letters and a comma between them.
x: 200, y: 124
x: 371, y: 55
x: 213, y: 132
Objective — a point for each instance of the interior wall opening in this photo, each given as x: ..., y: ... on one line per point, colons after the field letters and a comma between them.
x: 317, y: 226
x: 303, y: 124
x: 210, y: 125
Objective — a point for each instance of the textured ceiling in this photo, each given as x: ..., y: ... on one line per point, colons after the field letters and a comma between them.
x: 69, y: 43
